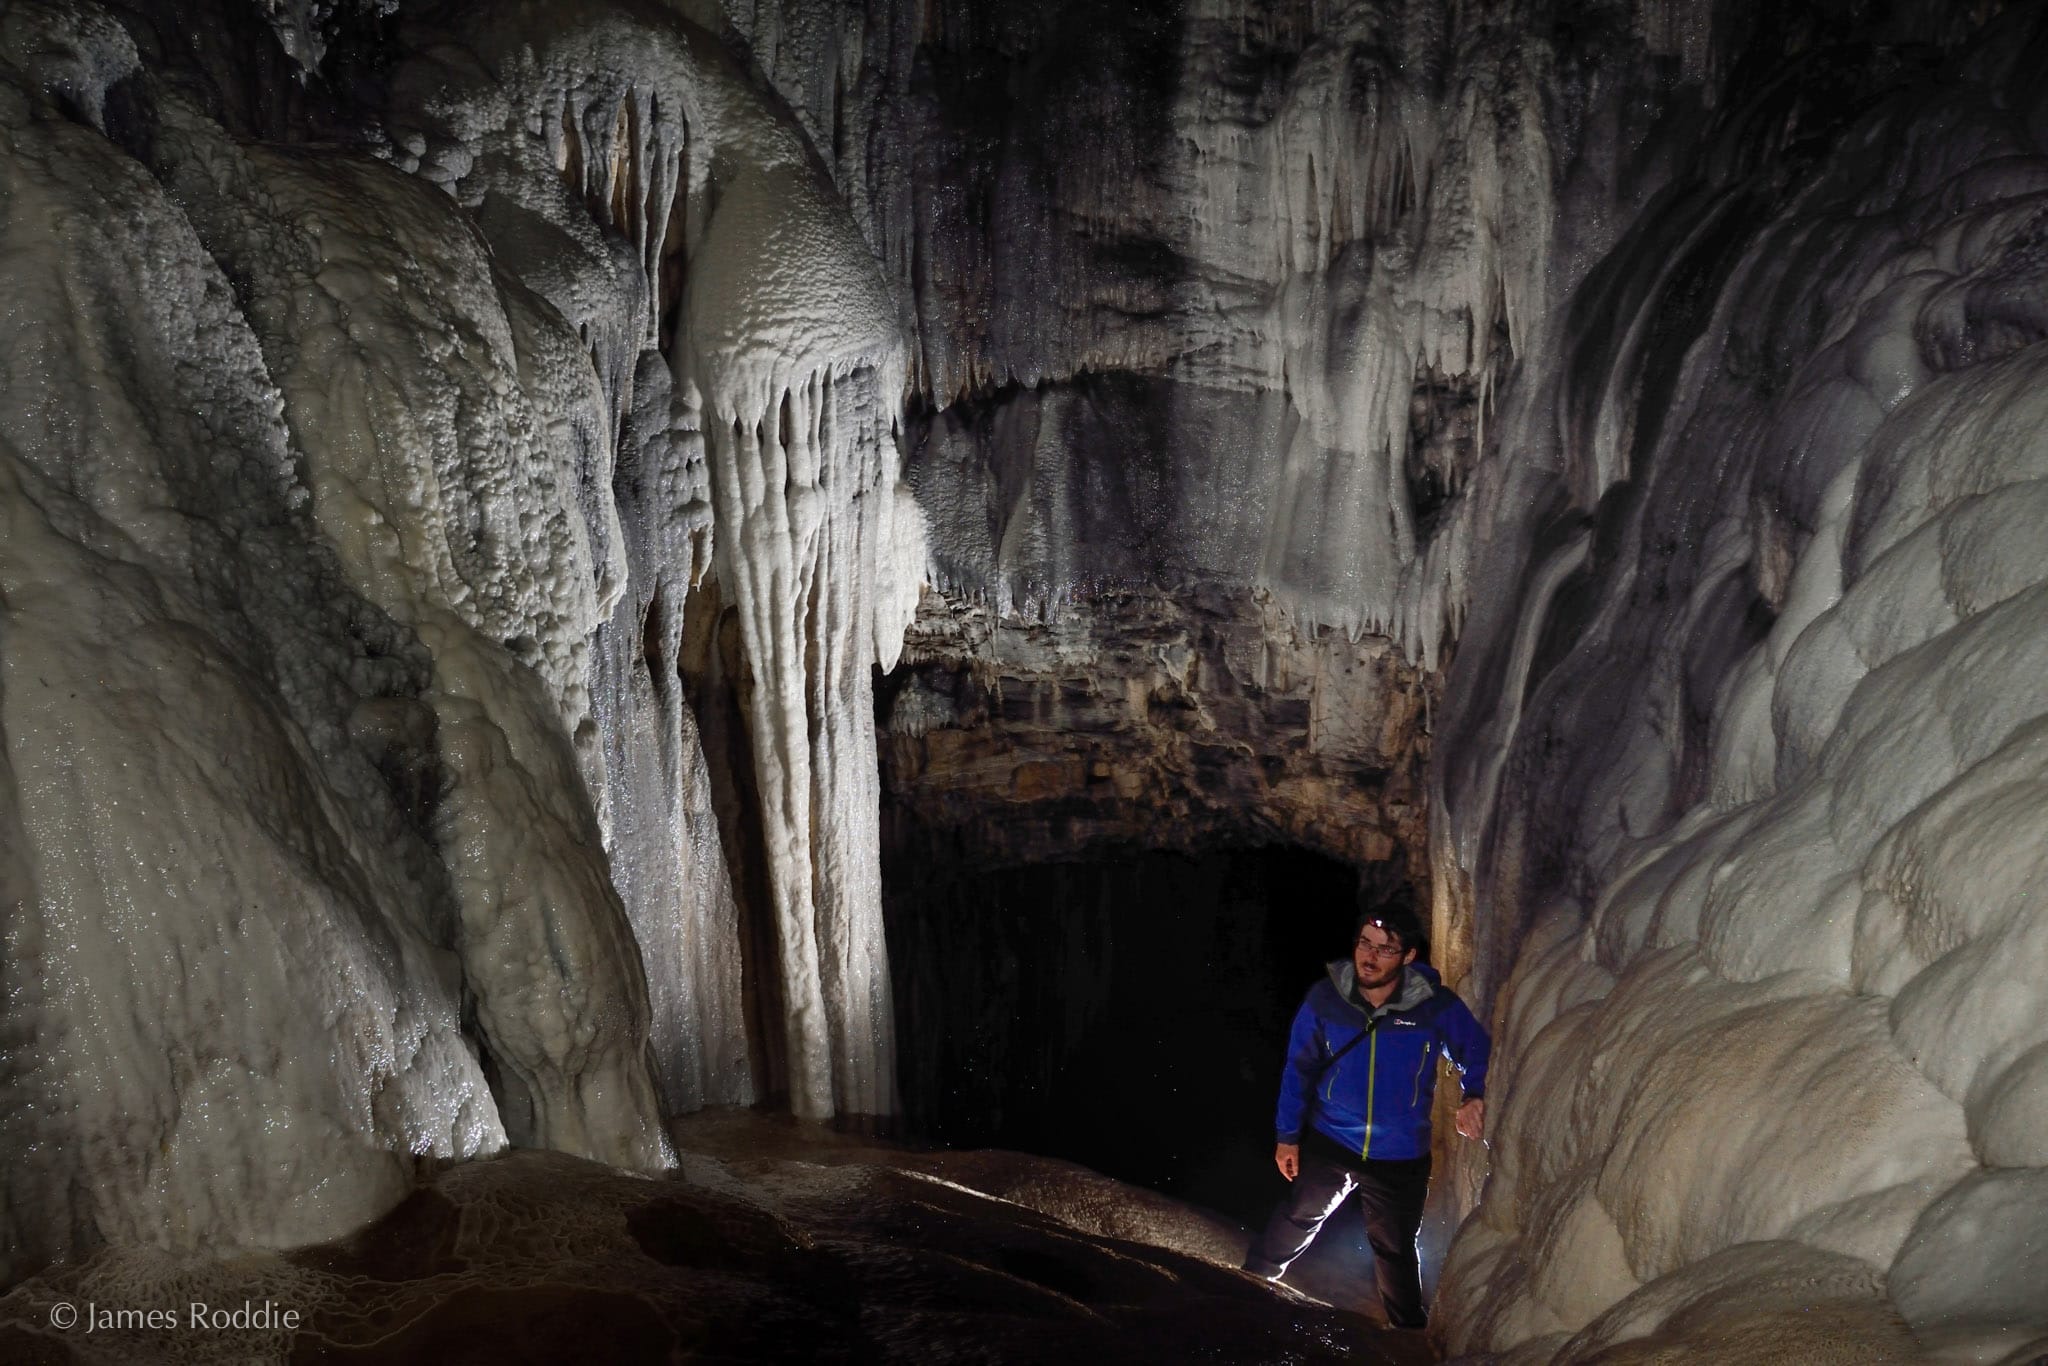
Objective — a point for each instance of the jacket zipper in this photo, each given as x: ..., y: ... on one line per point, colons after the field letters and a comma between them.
x: 1416, y: 1099
x: 1372, y: 1082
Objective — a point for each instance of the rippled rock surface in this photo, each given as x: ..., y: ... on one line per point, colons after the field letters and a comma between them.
x: 773, y: 1242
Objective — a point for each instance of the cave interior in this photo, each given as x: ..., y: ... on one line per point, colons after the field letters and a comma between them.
x: 701, y: 679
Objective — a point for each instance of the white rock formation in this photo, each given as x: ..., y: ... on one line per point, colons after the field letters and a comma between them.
x: 329, y: 755
x: 1778, y: 1014
x: 230, y: 1014
x: 779, y: 337
x: 1283, y: 214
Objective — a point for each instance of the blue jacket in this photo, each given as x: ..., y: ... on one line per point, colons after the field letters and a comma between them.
x: 1375, y: 1101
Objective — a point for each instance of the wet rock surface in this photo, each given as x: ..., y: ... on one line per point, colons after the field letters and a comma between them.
x: 775, y: 1242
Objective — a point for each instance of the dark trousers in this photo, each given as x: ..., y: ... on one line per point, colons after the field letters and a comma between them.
x: 1391, y: 1194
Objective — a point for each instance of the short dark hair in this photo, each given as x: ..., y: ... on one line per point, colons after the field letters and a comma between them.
x: 1397, y: 920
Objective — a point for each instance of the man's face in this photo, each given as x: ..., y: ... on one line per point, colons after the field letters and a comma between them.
x: 1378, y: 957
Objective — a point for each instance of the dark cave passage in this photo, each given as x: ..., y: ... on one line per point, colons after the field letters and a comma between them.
x: 1128, y: 1011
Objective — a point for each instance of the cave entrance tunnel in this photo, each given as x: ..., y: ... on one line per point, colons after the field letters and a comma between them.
x: 1126, y: 1009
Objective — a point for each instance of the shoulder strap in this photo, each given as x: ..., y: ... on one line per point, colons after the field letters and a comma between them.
x: 1315, y: 1085
x: 1371, y: 1024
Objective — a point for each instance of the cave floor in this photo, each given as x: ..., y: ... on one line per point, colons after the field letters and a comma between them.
x: 774, y: 1241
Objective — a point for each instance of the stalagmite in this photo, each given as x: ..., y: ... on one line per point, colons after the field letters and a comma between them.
x: 818, y: 542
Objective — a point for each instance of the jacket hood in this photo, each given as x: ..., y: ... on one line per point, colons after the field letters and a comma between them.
x: 1419, y: 982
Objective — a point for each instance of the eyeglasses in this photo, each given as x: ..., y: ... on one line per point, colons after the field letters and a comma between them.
x: 1380, y: 950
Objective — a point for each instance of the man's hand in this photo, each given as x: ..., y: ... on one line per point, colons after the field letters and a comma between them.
x: 1472, y: 1119
x: 1287, y: 1157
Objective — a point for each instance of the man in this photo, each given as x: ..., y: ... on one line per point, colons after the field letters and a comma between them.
x: 1355, y: 1100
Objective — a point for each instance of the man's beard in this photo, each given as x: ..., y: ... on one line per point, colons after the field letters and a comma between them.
x: 1378, y: 976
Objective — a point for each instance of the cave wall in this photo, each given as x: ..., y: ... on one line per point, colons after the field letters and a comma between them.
x: 1238, y: 234
x: 1143, y: 720
x: 1209, y: 306
x: 1738, y: 305
x: 1755, y: 843
x: 367, y: 432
